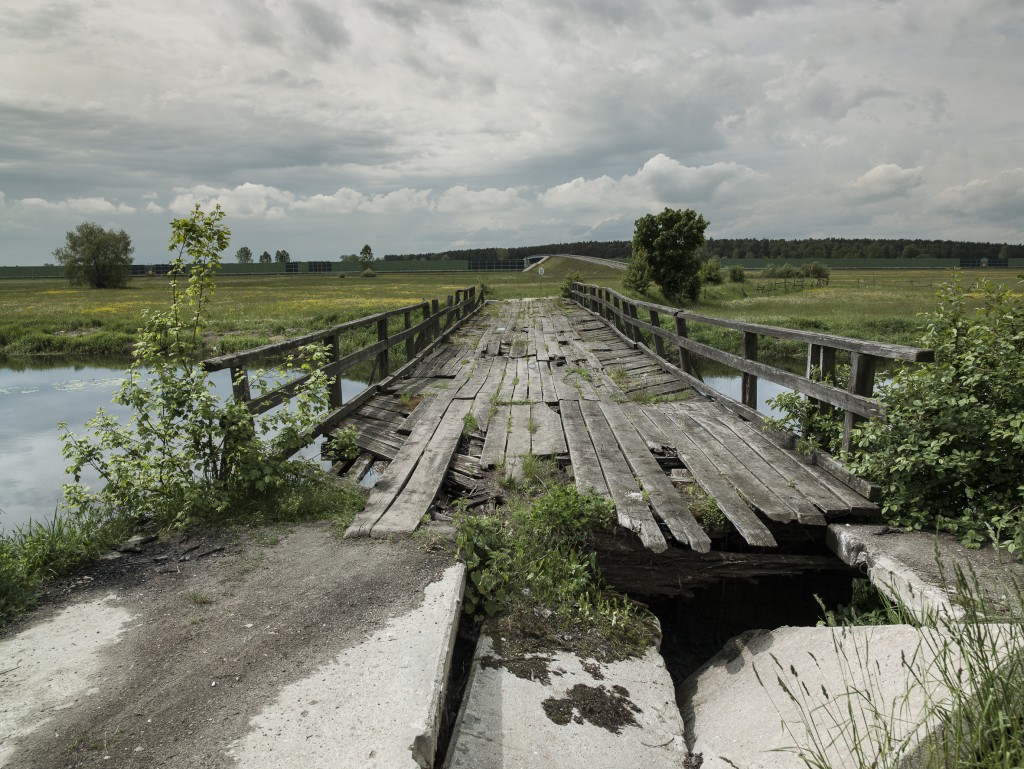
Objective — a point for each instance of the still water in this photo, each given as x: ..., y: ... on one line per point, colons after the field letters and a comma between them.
x: 32, y: 402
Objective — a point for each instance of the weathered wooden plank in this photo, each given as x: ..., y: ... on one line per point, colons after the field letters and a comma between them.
x: 630, y: 507
x: 536, y: 390
x: 521, y: 381
x: 547, y: 438
x: 668, y: 503
x: 711, y: 480
x: 476, y: 380
x: 747, y: 485
x: 585, y: 465
x: 496, y: 438
x: 760, y: 467
x: 518, y: 444
x: 413, y: 502
x: 646, y: 425
x: 565, y: 390
x: 397, y: 473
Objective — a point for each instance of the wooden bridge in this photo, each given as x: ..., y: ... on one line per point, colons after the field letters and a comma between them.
x: 607, y: 387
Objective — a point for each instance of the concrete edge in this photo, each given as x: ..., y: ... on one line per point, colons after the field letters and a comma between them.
x: 424, y: 745
x: 924, y: 600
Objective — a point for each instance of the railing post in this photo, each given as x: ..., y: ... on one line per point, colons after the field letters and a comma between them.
x: 749, y: 352
x: 435, y: 315
x: 634, y: 330
x: 383, y: 358
x: 240, y: 384
x: 449, y: 310
x: 410, y: 341
x: 824, y: 359
x: 617, y: 320
x: 686, y: 361
x: 659, y: 343
x: 334, y: 395
x: 862, y: 382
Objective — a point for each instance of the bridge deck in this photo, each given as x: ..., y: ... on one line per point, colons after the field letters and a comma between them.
x: 548, y: 379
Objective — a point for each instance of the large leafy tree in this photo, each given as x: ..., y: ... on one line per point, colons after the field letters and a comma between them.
x: 96, y: 257
x: 670, y: 244
x: 244, y: 255
x: 265, y: 258
x: 282, y: 257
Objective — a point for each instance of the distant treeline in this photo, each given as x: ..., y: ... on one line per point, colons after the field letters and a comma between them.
x: 811, y: 249
x: 607, y: 249
x: 802, y: 250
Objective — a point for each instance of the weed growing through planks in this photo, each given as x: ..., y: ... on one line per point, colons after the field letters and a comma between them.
x: 199, y: 599
x: 532, y: 569
x: 470, y: 424
x: 343, y: 443
x: 707, y: 512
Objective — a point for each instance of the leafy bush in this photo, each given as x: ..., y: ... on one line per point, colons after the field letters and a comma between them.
x: 573, y: 277
x: 534, y: 565
x: 781, y: 271
x: 638, y: 273
x: 950, y: 455
x: 816, y: 426
x: 368, y: 273
x: 737, y: 275
x: 185, y: 453
x: 711, y: 272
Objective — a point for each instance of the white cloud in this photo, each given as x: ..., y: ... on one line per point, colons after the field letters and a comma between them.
x: 884, y: 182
x: 84, y: 206
x: 999, y: 200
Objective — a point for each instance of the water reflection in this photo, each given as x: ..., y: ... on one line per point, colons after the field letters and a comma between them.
x: 32, y: 402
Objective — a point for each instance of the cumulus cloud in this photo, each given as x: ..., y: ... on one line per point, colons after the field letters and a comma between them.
x: 84, y: 206
x: 999, y: 199
x: 661, y: 181
x: 884, y: 182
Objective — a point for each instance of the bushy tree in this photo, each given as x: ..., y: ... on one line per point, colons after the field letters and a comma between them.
x: 93, y: 256
x: 244, y: 255
x: 638, y: 273
x: 282, y: 257
x: 265, y: 258
x: 670, y: 242
x: 366, y: 256
x: 950, y: 453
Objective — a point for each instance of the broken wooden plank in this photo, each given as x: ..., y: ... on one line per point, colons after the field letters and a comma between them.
x: 718, y: 488
x: 518, y: 444
x: 668, y: 503
x: 630, y: 507
x: 496, y: 438
x: 413, y: 502
x: 394, y: 478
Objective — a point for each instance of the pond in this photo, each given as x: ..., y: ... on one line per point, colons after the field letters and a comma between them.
x: 32, y: 402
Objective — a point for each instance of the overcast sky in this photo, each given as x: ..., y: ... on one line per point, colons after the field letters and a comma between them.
x: 424, y: 125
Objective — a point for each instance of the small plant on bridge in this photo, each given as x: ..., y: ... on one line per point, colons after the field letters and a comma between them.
x: 530, y: 567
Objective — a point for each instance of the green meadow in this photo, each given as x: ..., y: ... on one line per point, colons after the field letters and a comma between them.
x: 50, y: 318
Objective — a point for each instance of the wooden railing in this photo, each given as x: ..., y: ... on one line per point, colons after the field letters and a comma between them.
x: 637, y: 321
x: 436, y: 321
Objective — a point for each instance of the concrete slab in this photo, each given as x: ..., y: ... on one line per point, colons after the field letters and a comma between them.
x: 768, y: 692
x: 919, y: 569
x: 558, y: 710
x: 377, y: 704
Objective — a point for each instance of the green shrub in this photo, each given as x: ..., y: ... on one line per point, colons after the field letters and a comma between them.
x: 573, y: 277
x: 737, y: 275
x: 711, y: 272
x: 368, y: 273
x: 950, y: 454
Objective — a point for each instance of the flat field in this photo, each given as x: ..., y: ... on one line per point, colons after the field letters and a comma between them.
x: 49, y: 317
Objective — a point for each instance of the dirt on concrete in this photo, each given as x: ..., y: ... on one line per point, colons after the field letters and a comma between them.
x: 162, y: 656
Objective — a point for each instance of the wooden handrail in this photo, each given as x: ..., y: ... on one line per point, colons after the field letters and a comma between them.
x: 437, y: 322
x: 855, y: 401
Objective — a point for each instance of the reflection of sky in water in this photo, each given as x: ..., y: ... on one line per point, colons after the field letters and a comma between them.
x: 732, y: 386
x: 32, y: 402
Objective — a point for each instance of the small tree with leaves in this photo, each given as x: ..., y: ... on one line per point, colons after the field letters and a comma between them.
x: 186, y: 452
x: 670, y: 242
x: 244, y: 255
x: 366, y: 257
x: 266, y: 258
x: 282, y: 257
x: 93, y: 256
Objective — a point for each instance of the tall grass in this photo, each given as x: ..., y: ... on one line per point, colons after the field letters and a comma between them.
x: 963, y: 704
